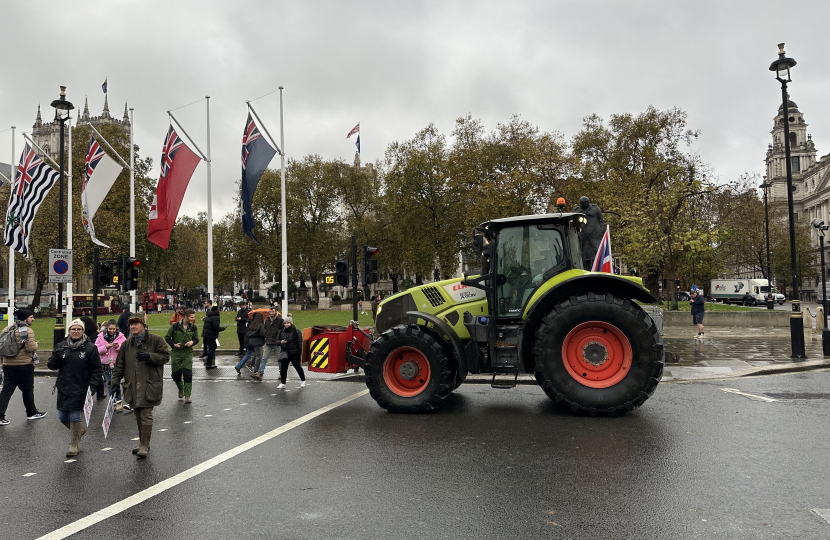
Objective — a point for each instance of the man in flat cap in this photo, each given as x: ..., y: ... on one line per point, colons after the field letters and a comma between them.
x: 141, y: 362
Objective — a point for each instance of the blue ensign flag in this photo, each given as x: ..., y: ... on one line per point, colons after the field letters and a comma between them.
x: 104, y: 86
x: 256, y: 155
x: 357, y: 143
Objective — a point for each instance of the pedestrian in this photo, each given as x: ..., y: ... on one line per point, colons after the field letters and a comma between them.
x: 292, y: 344
x: 181, y: 337
x: 109, y: 343
x: 375, y: 304
x: 37, y: 312
x: 210, y: 333
x: 141, y: 363
x: 242, y: 321
x: 273, y: 325
x: 360, y: 306
x: 178, y: 315
x: 91, y: 331
x: 19, y: 370
x: 255, y: 339
x: 78, y: 365
x: 158, y: 308
x: 698, y: 310
x: 123, y: 324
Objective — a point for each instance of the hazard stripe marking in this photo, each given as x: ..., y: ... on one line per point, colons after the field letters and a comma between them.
x: 320, y: 354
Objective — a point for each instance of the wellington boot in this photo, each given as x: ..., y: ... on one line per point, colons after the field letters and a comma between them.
x: 75, y: 441
x: 187, y: 399
x: 181, y: 393
x: 144, y: 441
x: 138, y: 424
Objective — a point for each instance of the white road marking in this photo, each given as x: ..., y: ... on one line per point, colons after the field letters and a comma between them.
x: 208, y: 415
x: 259, y: 399
x: 187, y: 422
x: 29, y: 474
x: 736, y: 391
x: 105, y: 449
x: 164, y: 485
x: 70, y: 461
x: 164, y: 429
x: 823, y: 513
x: 227, y: 409
x: 135, y: 439
x: 243, y: 403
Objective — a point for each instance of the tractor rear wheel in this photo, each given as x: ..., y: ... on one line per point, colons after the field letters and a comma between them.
x: 598, y: 354
x: 408, y: 371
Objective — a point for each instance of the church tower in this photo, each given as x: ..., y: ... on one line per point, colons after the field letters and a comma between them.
x: 802, y: 155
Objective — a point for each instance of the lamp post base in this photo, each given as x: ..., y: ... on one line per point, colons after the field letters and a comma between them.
x: 59, y: 333
x: 825, y: 341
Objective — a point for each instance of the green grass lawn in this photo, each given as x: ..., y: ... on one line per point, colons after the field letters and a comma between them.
x: 159, y: 323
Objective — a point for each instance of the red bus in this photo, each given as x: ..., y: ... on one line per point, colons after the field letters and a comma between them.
x: 82, y: 305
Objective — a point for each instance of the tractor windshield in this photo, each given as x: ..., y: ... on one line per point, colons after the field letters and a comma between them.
x: 524, y: 255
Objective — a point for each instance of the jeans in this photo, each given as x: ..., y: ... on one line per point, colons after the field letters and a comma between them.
x: 266, y: 352
x: 254, y: 353
x: 108, y: 378
x: 69, y: 416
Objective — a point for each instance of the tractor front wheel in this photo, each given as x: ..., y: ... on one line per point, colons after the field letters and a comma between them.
x: 408, y: 371
x: 598, y: 354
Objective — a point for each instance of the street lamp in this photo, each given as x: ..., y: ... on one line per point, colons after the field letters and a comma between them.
x: 770, y: 299
x: 61, y: 104
x: 825, y: 333
x: 781, y: 68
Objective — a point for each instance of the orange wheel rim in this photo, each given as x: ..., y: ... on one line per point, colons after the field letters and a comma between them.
x: 406, y: 371
x: 597, y: 354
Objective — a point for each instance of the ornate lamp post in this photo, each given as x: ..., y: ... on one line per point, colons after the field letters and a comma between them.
x: 770, y: 299
x: 61, y: 104
x: 825, y: 334
x: 781, y: 68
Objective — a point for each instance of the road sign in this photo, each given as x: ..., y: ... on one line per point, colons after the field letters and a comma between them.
x: 329, y: 279
x: 60, y: 266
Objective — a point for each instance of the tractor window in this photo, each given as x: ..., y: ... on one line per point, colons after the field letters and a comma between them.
x: 524, y: 255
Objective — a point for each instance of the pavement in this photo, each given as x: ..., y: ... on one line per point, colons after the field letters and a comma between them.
x: 723, y: 353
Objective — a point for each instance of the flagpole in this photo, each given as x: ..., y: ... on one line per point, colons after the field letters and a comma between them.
x: 189, y: 138
x: 10, y: 296
x: 132, y: 206
x: 111, y: 149
x: 284, y: 219
x: 262, y: 125
x: 209, y: 209
x: 69, y: 300
x: 43, y: 153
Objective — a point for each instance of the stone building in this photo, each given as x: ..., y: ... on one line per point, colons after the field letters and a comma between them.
x: 47, y: 134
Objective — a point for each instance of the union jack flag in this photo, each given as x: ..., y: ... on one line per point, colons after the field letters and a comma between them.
x: 602, y: 262
x: 172, y: 143
x: 32, y: 182
x: 251, y: 134
x: 354, y: 130
x: 93, y: 157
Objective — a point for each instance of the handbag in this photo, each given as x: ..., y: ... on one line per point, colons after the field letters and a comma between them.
x: 282, y: 355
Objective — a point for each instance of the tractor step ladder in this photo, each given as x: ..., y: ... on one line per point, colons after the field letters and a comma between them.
x: 505, y: 369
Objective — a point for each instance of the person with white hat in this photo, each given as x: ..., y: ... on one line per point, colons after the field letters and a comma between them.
x: 78, y: 364
x: 141, y: 362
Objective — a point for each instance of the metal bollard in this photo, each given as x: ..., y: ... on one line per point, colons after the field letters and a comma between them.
x: 819, y: 319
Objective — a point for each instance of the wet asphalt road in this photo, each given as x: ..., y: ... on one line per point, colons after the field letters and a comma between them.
x: 694, y: 462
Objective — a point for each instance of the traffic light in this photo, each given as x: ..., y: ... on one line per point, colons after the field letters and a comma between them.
x: 105, y: 274
x: 369, y: 264
x: 341, y: 273
x: 130, y: 280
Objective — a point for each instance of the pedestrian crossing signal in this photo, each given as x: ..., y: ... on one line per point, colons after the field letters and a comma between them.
x: 341, y: 273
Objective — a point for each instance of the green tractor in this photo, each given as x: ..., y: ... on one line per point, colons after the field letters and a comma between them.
x: 591, y: 347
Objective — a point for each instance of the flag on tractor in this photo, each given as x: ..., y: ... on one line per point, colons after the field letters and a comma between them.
x: 256, y: 155
x: 602, y: 262
x: 354, y: 130
x: 177, y: 165
x: 100, y: 172
x: 32, y: 182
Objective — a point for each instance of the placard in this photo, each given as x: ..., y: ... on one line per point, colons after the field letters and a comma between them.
x: 108, y: 415
x: 88, y: 405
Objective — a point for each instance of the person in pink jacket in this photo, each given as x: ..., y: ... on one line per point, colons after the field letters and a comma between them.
x: 109, y: 342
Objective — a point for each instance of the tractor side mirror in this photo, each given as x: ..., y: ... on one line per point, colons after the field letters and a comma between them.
x: 482, y: 245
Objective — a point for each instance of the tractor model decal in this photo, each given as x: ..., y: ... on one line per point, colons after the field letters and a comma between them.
x: 320, y: 353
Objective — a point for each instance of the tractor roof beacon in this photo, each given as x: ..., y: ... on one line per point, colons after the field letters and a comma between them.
x: 533, y: 308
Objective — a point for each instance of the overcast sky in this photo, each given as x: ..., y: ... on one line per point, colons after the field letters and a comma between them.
x: 397, y: 66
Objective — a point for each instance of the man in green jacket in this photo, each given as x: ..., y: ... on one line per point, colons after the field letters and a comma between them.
x: 182, y: 337
x: 141, y: 362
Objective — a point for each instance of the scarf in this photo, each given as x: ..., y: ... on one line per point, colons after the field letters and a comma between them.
x: 110, y: 338
x: 73, y: 345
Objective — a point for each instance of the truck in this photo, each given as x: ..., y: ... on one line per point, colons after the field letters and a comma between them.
x: 733, y: 291
x: 588, y: 338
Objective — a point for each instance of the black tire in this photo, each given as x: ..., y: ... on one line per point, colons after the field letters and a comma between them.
x: 624, y: 319
x: 385, y: 385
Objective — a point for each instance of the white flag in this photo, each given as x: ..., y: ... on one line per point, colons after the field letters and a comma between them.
x: 99, y: 176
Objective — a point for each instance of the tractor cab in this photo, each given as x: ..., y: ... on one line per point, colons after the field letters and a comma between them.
x: 526, y: 252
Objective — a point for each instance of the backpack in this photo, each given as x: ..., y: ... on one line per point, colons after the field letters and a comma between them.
x: 8, y: 344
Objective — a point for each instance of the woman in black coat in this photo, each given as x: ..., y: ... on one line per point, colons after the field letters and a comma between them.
x: 210, y: 333
x: 79, y: 367
x: 292, y: 343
